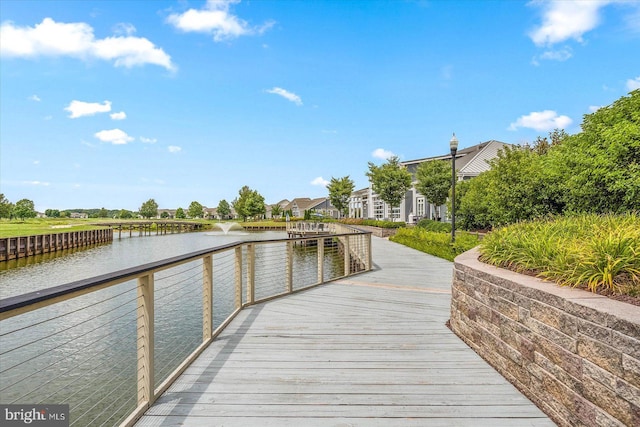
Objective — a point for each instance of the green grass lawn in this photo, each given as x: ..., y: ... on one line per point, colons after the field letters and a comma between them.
x: 35, y: 226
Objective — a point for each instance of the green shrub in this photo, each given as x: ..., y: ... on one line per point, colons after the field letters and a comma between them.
x: 588, y: 251
x: 436, y: 244
x: 437, y: 226
x: 373, y: 223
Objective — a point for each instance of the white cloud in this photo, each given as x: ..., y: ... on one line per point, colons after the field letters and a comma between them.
x: 633, y: 84
x: 118, y: 116
x: 174, y: 149
x: 286, y: 94
x: 566, y: 19
x: 44, y: 184
x: 320, y: 181
x: 36, y: 162
x: 594, y: 108
x: 124, y: 29
x: 381, y: 153
x: 114, y: 136
x: 541, y: 121
x: 148, y: 140
x: 554, y: 55
x: 35, y: 98
x: 80, y: 108
x: 216, y: 19
x: 50, y: 38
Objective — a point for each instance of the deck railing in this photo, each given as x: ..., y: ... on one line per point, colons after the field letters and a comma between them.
x: 110, y: 345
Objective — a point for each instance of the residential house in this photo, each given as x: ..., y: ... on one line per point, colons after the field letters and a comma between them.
x: 470, y: 162
x: 321, y: 206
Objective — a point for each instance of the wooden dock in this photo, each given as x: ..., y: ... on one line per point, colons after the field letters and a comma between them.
x: 25, y: 246
x: 145, y: 228
x: 370, y: 351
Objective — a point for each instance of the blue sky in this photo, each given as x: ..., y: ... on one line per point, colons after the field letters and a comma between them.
x: 111, y: 103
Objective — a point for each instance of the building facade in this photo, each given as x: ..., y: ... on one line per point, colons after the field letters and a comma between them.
x: 470, y: 162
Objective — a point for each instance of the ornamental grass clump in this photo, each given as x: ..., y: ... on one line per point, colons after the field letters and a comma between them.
x: 434, y: 243
x: 596, y: 252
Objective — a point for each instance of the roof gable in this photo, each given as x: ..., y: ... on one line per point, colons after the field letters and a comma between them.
x: 479, y: 161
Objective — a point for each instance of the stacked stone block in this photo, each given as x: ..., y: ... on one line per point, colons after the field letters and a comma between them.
x: 574, y: 353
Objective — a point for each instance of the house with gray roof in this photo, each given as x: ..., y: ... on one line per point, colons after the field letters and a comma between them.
x: 470, y: 162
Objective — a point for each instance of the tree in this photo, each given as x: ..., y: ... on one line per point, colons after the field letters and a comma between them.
x: 196, y: 210
x: 164, y: 215
x: 518, y: 186
x: 434, y: 181
x: 149, y: 209
x: 599, y: 168
x: 6, y: 207
x: 52, y: 213
x: 125, y: 214
x: 224, y: 210
x: 340, y: 190
x: 180, y: 214
x: 390, y: 181
x: 24, y: 209
x: 249, y: 203
x: 276, y: 211
x: 103, y: 213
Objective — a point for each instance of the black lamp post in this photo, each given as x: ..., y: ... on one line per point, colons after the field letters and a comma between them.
x: 453, y: 144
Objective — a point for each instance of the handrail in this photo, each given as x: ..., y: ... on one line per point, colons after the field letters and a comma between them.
x: 255, y: 271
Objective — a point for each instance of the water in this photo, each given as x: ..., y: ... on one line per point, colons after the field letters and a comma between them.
x: 86, y: 356
x: 45, y: 271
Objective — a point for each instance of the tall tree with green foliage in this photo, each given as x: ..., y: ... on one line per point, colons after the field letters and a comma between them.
x: 224, y: 210
x: 149, y: 209
x: 276, y: 211
x: 196, y: 210
x: 390, y: 181
x: 180, y: 214
x: 249, y: 203
x: 24, y: 209
x: 434, y: 181
x: 513, y: 189
x: 6, y: 207
x: 599, y: 168
x: 340, y: 190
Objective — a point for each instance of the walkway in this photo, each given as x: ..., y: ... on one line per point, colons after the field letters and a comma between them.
x: 370, y: 351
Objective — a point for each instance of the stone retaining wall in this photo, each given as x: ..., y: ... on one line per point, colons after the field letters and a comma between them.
x: 575, y: 354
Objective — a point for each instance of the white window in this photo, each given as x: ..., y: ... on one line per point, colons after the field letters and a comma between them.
x: 420, y: 212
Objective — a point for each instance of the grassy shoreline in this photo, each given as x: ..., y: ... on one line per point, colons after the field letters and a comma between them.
x: 37, y: 226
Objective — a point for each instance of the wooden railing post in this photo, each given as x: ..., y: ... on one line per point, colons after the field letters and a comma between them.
x: 207, y: 297
x: 251, y: 273
x: 321, y: 260
x: 145, y: 339
x: 289, y: 266
x: 347, y: 256
x: 238, y: 277
x: 369, y: 252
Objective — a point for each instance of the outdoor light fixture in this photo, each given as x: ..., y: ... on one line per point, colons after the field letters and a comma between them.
x: 453, y: 144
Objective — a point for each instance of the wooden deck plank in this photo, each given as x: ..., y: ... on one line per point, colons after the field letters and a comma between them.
x: 375, y: 353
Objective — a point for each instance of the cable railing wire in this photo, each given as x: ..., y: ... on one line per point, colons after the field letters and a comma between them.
x: 105, y: 390
x: 64, y: 314
x: 66, y: 329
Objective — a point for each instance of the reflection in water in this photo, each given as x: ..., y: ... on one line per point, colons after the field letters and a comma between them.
x: 83, y: 351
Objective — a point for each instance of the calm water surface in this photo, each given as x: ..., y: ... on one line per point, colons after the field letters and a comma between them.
x: 45, y: 271
x: 82, y: 352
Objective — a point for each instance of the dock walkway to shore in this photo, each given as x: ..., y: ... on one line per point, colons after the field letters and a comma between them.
x: 373, y: 350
